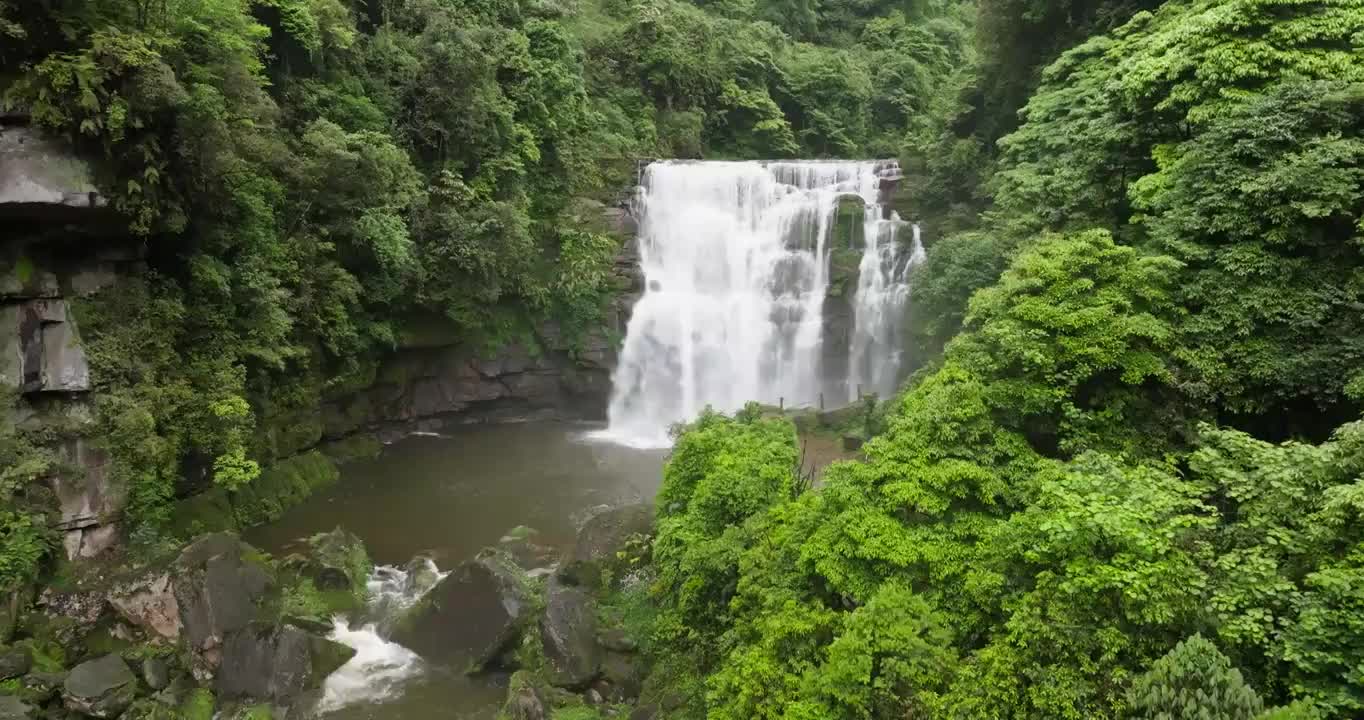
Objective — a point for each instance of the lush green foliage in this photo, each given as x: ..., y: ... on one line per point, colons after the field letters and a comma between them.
x: 1123, y: 484
x: 1193, y: 680
x: 24, y: 536
x: 305, y: 175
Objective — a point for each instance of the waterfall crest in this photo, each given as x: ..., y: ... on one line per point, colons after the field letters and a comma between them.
x: 736, y: 261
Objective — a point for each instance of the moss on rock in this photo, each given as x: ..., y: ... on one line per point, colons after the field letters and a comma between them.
x: 198, y: 704
x: 282, y: 486
x: 207, y: 512
x: 356, y: 447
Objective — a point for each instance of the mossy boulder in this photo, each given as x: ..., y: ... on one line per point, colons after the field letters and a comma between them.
x: 207, y: 512
x: 472, y: 616
x: 362, y: 446
x: 150, y: 709
x: 601, y: 538
x: 335, y: 568
x: 848, y: 231
x: 100, y: 688
x: 197, y: 704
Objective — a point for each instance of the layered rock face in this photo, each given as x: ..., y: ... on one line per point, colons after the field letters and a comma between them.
x: 61, y: 245
x: 434, y: 380
x: 428, y: 385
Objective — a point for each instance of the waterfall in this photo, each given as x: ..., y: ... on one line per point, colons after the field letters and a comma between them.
x: 736, y: 261
x: 877, y: 346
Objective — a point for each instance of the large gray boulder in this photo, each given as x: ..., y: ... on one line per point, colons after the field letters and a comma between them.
x: 568, y: 634
x: 601, y: 538
x: 472, y: 615
x: 218, y: 582
x: 273, y: 662
x: 100, y: 688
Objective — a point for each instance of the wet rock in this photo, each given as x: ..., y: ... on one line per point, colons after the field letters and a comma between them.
x: 524, y: 700
x: 14, y: 662
x: 156, y: 673
x: 149, y: 602
x: 568, y: 633
x: 472, y: 615
x: 101, y: 688
x: 422, y: 575
x: 12, y: 708
x: 218, y: 582
x: 276, y: 662
x: 601, y: 538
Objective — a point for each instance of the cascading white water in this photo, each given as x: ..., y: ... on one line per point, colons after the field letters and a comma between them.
x: 877, y: 346
x: 379, y: 667
x: 735, y: 258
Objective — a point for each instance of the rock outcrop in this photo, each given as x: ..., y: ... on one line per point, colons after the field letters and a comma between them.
x: 429, y: 388
x: 39, y: 176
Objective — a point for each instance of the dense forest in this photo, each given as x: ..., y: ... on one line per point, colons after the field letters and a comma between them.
x: 1125, y: 480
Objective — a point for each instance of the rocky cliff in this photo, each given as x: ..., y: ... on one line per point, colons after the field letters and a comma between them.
x: 61, y: 245
x: 65, y: 245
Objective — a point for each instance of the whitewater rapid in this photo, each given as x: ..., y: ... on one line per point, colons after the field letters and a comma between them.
x: 736, y: 258
x: 380, y: 668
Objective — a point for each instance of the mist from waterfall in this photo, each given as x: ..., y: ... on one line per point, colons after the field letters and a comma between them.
x: 735, y: 258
